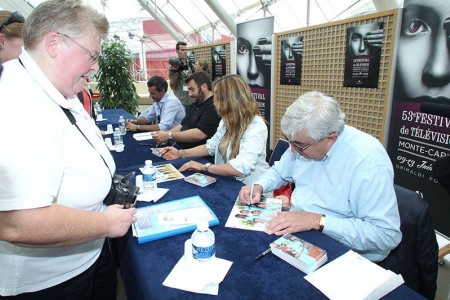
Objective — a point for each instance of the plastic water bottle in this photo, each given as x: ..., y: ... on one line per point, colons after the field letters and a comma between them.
x: 98, y: 111
x: 203, y: 242
x: 122, y: 127
x: 118, y: 141
x: 149, y: 176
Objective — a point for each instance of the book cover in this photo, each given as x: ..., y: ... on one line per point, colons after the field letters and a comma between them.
x: 255, y: 216
x: 200, y: 179
x: 299, y: 253
x: 166, y: 172
x: 167, y: 219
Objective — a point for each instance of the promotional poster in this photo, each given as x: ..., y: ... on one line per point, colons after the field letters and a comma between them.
x: 291, y: 60
x: 362, y: 56
x: 254, y: 59
x: 417, y: 139
x: 218, y: 61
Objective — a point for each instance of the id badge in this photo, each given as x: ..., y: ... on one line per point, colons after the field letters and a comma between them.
x: 185, y: 89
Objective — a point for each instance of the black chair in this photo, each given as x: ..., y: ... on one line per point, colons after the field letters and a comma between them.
x: 278, y: 150
x: 416, y: 257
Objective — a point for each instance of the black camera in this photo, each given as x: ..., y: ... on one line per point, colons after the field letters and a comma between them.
x: 122, y: 192
x: 174, y: 62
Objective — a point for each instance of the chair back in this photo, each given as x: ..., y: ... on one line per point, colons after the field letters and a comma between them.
x: 280, y: 147
x: 416, y: 257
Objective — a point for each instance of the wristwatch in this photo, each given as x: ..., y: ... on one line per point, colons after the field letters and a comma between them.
x: 322, y: 222
x: 138, y: 127
x: 207, y: 165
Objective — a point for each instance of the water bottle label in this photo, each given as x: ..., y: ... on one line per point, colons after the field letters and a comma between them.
x: 149, y: 177
x: 203, y: 253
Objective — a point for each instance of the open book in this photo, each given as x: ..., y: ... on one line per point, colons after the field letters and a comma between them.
x: 255, y: 216
x: 166, y: 172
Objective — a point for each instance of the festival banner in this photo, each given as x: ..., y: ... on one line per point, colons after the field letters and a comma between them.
x: 254, y: 59
x: 291, y: 60
x: 218, y: 61
x: 362, y: 56
x: 417, y: 139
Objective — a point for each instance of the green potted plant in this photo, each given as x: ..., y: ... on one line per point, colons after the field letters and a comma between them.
x: 115, y: 82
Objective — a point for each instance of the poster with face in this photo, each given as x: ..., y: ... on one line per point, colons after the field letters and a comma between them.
x: 362, y: 56
x: 418, y: 139
x: 218, y: 61
x: 291, y: 60
x: 254, y: 59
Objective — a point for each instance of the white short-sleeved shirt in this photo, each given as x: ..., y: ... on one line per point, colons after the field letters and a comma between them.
x: 44, y: 159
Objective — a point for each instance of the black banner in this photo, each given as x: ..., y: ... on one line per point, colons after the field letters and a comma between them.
x: 291, y: 60
x: 363, y: 53
x: 254, y: 59
x: 218, y: 61
x: 417, y: 138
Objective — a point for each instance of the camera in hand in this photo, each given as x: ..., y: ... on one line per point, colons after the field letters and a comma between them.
x: 174, y: 62
x: 122, y: 192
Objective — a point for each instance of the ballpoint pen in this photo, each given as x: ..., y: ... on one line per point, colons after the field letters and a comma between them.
x: 262, y: 254
x: 164, y: 153
x: 251, y: 194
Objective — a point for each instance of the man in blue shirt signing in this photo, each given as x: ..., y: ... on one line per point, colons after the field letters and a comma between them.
x: 166, y: 111
x: 343, y: 180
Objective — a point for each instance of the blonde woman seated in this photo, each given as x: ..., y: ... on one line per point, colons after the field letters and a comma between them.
x: 239, y: 145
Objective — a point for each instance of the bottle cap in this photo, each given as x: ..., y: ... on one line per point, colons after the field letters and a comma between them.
x: 202, y: 225
x: 148, y: 162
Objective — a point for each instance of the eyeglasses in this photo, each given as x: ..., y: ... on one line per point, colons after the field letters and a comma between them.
x: 299, y: 149
x: 93, y: 56
x: 15, y: 17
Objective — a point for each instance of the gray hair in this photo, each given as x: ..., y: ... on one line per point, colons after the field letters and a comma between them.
x: 70, y: 17
x: 318, y: 114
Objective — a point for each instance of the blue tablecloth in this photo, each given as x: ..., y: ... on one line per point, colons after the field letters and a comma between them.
x: 144, y: 267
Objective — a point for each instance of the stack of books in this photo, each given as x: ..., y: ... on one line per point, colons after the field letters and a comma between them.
x: 299, y: 253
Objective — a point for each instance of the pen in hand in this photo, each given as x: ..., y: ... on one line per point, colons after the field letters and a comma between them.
x: 262, y: 254
x: 251, y: 194
x: 165, y: 152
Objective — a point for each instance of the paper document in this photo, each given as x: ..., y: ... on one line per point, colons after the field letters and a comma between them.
x: 143, y: 136
x: 351, y: 276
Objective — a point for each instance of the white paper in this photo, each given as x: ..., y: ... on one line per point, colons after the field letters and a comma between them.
x: 143, y: 136
x: 198, y: 277
x: 109, y: 129
x: 109, y: 144
x: 152, y: 196
x: 351, y: 276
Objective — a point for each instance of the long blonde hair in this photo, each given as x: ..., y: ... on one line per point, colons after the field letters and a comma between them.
x: 236, y: 105
x: 13, y: 30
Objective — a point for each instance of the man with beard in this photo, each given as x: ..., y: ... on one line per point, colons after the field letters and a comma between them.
x: 201, y: 120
